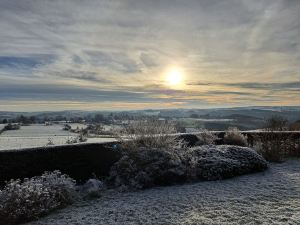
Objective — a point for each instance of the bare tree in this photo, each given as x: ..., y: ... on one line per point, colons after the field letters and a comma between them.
x: 276, y: 123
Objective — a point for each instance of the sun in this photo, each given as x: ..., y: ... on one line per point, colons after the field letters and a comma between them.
x: 174, y: 77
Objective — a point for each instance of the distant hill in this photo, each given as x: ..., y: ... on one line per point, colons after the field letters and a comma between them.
x: 253, y: 113
x: 242, y: 117
x: 292, y: 113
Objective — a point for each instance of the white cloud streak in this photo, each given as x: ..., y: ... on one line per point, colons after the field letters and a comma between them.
x: 121, y: 45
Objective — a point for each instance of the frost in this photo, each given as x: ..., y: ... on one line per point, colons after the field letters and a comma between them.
x: 270, y: 197
x: 153, y: 167
x: 32, y: 198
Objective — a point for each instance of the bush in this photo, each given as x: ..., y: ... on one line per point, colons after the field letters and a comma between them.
x: 35, y: 197
x: 67, y: 127
x: 79, y: 139
x: 11, y: 126
x: 153, y: 167
x: 93, y: 188
x: 206, y: 138
x: 82, y: 137
x: 72, y: 140
x: 234, y: 137
x: 276, y: 123
x: 215, y: 162
x: 151, y: 134
x: 146, y: 168
x: 295, y: 126
x: 50, y: 142
x: 276, y: 146
x: 150, y: 155
x: 96, y: 128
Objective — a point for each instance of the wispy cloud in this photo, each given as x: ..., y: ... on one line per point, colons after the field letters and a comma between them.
x: 119, y: 50
x: 255, y: 85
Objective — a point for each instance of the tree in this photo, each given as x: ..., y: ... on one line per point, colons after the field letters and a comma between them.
x: 23, y: 119
x: 180, y: 127
x: 46, y: 118
x: 295, y: 126
x: 194, y: 115
x: 12, y: 127
x: 32, y: 119
x: 99, y: 118
x: 276, y: 123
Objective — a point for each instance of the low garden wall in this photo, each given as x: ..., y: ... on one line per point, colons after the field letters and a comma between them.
x: 83, y: 161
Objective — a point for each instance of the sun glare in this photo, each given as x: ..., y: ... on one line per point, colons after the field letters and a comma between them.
x: 174, y: 77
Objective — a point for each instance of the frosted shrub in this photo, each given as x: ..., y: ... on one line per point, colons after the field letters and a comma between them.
x: 275, y: 147
x: 71, y: 141
x: 234, y: 137
x: 32, y: 198
x: 50, y: 142
x: 93, y: 188
x: 79, y: 139
x: 206, y: 138
x: 216, y: 162
x: 276, y: 123
x: 147, y: 168
x: 82, y: 137
x: 151, y: 156
x: 151, y: 134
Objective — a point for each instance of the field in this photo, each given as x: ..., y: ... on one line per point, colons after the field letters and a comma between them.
x: 1, y: 128
x: 34, y: 136
x: 39, y: 135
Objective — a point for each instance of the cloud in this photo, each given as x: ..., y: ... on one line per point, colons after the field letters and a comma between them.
x: 125, y: 46
x: 115, y: 61
x: 148, y: 60
x: 254, y: 85
x: 77, y: 74
x: 267, y: 86
x: 24, y: 62
x: 33, y: 106
x: 59, y: 92
x: 228, y: 93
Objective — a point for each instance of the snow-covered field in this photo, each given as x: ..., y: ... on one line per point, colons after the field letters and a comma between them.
x: 77, y: 126
x: 100, y: 140
x: 2, y: 125
x: 271, y: 197
x: 38, y: 135
x: 34, y: 136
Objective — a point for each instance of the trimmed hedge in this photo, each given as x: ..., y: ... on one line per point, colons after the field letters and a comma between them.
x: 83, y: 161
x: 80, y: 161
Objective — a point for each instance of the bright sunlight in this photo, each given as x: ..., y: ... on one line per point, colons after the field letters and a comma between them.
x: 174, y: 77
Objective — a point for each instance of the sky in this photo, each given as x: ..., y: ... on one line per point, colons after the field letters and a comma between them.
x: 123, y: 54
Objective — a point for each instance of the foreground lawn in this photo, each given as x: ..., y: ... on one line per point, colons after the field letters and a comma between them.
x: 271, y: 197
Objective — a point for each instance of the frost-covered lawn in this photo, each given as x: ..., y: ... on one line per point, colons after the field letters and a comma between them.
x: 271, y: 197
